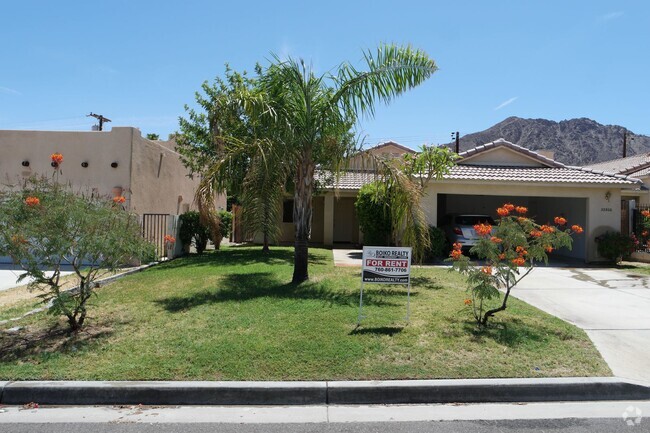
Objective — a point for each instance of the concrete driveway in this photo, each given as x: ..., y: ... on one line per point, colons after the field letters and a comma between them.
x: 10, y: 273
x: 612, y: 306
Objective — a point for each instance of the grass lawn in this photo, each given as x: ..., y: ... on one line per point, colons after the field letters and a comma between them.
x: 231, y: 315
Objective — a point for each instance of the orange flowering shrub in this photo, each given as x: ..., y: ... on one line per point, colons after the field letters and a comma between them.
x: 483, y: 229
x: 169, y: 239
x: 645, y: 213
x: 56, y: 158
x: 32, y: 201
x: 509, y: 252
x: 119, y: 199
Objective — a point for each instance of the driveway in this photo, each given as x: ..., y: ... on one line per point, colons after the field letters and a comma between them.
x: 612, y: 306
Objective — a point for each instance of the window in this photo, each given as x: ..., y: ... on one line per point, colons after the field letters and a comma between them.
x: 287, y: 211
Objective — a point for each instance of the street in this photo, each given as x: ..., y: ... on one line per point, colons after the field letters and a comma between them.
x: 571, y: 417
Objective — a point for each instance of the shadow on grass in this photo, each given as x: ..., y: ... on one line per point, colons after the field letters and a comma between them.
x: 380, y: 330
x: 237, y: 256
x: 511, y: 333
x: 426, y: 283
x: 244, y: 287
x: 24, y: 344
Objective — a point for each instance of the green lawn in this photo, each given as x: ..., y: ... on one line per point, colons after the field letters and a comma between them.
x: 231, y: 315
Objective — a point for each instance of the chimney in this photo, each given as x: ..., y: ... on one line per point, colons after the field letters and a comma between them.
x: 550, y: 154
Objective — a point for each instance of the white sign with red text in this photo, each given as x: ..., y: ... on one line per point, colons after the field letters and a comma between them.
x: 386, y: 265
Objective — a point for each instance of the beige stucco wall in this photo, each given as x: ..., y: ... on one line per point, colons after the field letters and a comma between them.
x: 150, y: 184
x: 601, y: 214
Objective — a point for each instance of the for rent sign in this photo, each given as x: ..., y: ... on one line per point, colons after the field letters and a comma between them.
x: 386, y: 265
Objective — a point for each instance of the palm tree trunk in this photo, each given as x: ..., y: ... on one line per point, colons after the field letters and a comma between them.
x: 302, y: 216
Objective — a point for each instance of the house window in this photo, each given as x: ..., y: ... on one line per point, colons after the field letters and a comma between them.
x: 287, y: 211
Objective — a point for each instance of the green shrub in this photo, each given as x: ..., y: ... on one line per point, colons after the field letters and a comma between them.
x: 373, y: 215
x: 45, y: 226
x: 615, y: 246
x: 225, y: 221
x: 192, y: 230
x: 438, y: 246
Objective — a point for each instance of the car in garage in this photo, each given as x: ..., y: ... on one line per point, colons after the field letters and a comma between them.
x: 459, y: 228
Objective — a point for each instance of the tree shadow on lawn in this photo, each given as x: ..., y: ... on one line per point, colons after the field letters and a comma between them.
x: 25, y: 344
x: 244, y: 287
x: 237, y: 256
x: 379, y: 330
x: 425, y: 283
x: 511, y: 333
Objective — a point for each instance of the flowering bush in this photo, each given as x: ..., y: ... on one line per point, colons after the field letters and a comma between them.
x: 57, y: 159
x: 46, y: 226
x: 510, y: 250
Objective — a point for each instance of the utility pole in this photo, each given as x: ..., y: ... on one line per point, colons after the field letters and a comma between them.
x: 101, y: 119
x: 456, y: 135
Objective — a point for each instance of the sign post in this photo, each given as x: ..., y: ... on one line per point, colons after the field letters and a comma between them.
x: 386, y: 265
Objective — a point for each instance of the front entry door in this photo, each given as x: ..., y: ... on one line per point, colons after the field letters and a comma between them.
x: 344, y: 220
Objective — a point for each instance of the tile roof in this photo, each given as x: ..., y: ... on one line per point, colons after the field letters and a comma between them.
x: 551, y: 172
x: 628, y: 165
x: 353, y: 180
x: 503, y: 143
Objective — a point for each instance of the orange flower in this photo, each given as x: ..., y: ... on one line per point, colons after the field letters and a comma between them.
x: 503, y: 211
x: 521, y: 251
x: 509, y: 207
x: 521, y: 209
x: 119, y: 199
x: 169, y: 239
x: 645, y: 213
x: 456, y: 254
x: 576, y: 228
x: 519, y: 261
x: 549, y: 249
x: 502, y: 256
x: 535, y: 233
x: 56, y: 158
x: 487, y: 270
x: 468, y: 301
x: 560, y: 221
x: 496, y: 240
x: 547, y: 229
x: 457, y: 246
x: 483, y: 229
x: 32, y: 201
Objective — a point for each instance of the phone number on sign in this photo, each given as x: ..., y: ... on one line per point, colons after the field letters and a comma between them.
x: 402, y: 270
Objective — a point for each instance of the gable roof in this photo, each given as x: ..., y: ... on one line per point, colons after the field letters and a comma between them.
x: 548, y: 171
x: 392, y: 143
x: 632, y: 165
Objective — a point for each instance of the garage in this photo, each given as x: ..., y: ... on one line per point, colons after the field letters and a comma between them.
x: 541, y: 209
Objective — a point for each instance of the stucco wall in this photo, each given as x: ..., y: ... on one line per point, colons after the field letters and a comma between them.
x: 600, y: 214
x: 150, y: 184
x: 98, y: 149
x: 159, y: 181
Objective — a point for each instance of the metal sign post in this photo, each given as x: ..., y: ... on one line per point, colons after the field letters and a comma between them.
x: 386, y: 265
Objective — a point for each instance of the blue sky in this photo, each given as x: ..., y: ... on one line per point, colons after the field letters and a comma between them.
x: 139, y: 62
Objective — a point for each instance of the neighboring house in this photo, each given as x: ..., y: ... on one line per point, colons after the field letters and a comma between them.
x: 484, y: 178
x: 149, y: 174
x: 637, y: 166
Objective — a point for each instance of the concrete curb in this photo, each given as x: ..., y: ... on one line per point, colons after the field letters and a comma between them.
x: 322, y: 393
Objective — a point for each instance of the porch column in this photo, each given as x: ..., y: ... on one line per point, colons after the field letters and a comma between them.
x: 328, y: 220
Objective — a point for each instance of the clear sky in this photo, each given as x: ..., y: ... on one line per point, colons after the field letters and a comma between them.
x: 138, y: 62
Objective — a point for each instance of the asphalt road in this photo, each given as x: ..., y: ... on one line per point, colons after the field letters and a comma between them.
x: 519, y: 426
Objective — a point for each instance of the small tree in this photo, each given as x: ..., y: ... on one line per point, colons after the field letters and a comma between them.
x: 511, y: 251
x: 45, y: 226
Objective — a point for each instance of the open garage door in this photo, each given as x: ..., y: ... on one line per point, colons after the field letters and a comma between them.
x: 541, y: 209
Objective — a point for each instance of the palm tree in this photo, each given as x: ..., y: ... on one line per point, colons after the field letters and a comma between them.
x: 311, y: 118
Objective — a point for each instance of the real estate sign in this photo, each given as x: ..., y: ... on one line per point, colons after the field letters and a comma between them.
x: 386, y: 265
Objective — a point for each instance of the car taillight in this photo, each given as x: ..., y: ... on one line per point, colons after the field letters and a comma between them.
x: 458, y: 231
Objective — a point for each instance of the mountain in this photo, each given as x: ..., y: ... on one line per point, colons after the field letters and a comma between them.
x: 575, y: 141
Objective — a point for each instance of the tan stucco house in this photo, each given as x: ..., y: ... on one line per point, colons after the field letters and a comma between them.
x: 484, y: 178
x: 637, y: 166
x: 148, y: 173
